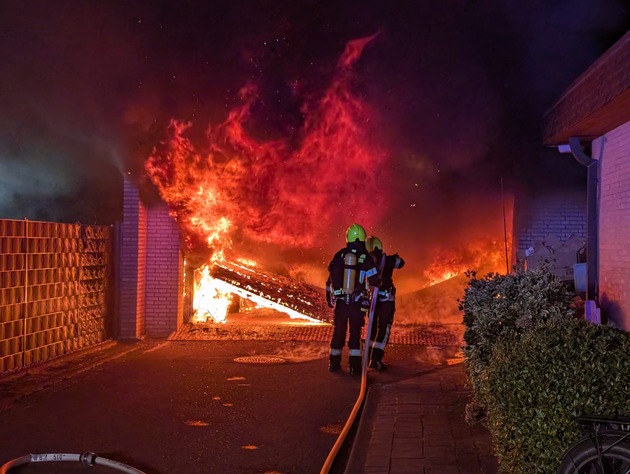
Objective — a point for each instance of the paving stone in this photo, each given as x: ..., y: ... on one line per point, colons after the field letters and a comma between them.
x: 387, y: 410
x: 442, y: 470
x: 425, y: 424
x: 414, y: 409
x: 466, y: 445
x: 380, y: 449
x: 438, y: 431
x: 442, y: 451
x: 383, y: 435
x: 407, y: 466
x: 441, y: 441
x: 385, y: 421
x: 414, y: 335
x: 403, y: 423
x: 375, y: 470
x: 408, y: 433
x: 468, y: 459
x: 407, y: 448
x: 488, y: 463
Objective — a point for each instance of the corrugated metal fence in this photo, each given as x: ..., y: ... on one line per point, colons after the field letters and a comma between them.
x: 55, y: 293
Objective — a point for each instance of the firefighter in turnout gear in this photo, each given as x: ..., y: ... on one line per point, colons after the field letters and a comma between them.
x: 350, y: 272
x: 386, y: 304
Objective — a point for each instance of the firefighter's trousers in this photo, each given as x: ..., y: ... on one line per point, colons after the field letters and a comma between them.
x: 347, y: 315
x: 381, y: 328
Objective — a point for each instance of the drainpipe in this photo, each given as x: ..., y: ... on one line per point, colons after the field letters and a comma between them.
x: 591, y: 216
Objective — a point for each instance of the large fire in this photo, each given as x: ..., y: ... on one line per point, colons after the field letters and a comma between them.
x: 287, y: 192
x: 236, y: 191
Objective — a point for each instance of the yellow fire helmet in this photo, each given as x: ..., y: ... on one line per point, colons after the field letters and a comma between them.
x: 355, y: 232
x: 372, y: 243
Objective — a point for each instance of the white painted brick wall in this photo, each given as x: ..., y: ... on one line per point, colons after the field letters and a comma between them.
x: 132, y: 265
x: 164, y: 275
x: 561, y: 214
x: 613, y: 151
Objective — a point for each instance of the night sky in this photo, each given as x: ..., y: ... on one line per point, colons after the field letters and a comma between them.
x: 458, y: 89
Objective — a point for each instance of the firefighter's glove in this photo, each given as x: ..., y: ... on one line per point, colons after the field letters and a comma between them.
x: 329, y: 299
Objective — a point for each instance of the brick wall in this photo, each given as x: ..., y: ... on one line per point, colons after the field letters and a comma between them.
x: 613, y: 151
x: 561, y: 214
x: 164, y: 274
x: 150, y: 270
x: 132, y: 264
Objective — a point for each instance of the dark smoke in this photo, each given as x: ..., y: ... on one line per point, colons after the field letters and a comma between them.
x: 459, y: 88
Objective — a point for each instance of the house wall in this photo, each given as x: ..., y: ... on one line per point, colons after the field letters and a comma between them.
x: 560, y: 214
x: 613, y: 152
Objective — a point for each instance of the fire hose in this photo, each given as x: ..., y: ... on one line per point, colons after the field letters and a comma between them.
x: 357, y: 405
x: 88, y: 459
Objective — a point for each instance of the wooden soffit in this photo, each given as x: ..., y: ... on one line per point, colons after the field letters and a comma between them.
x: 596, y: 102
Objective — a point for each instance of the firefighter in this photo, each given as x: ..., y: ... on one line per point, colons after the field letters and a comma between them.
x: 350, y: 272
x: 386, y: 304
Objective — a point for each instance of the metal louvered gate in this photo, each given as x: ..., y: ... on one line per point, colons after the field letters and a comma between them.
x: 55, y: 293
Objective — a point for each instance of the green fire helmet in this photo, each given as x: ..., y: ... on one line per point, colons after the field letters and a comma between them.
x: 355, y: 232
x: 372, y: 243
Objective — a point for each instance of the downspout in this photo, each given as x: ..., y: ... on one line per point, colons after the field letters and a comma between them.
x: 591, y: 216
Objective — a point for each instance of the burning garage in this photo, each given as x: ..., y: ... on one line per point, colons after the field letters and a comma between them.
x: 251, y: 219
x: 239, y: 218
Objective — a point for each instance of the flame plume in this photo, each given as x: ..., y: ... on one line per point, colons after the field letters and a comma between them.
x: 271, y: 191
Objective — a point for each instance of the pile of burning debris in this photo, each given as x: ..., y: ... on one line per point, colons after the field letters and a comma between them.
x: 297, y: 299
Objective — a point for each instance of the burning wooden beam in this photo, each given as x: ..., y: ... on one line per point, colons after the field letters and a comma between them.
x: 296, y: 298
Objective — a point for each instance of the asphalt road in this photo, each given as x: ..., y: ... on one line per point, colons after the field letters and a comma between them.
x: 189, y: 407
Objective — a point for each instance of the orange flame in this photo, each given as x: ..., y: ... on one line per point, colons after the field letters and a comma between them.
x: 449, y: 263
x: 272, y: 191
x: 211, y: 299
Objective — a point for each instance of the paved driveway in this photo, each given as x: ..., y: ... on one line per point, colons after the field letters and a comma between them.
x: 189, y: 407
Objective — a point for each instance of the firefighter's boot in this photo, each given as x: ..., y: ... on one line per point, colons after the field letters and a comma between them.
x: 355, y: 365
x: 334, y: 363
x: 378, y: 365
x: 377, y: 359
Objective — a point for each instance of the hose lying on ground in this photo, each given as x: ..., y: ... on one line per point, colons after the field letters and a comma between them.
x: 357, y: 405
x: 88, y: 459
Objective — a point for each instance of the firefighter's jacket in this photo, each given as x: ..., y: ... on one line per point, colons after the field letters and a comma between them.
x: 387, y: 264
x: 367, y: 272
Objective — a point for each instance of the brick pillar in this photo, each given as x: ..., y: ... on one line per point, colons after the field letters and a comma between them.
x: 164, y: 274
x: 132, y: 265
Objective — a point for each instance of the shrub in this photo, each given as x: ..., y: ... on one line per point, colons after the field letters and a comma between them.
x: 536, y: 385
x: 503, y: 306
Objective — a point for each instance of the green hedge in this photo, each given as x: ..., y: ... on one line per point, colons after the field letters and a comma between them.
x: 503, y: 306
x: 537, y: 384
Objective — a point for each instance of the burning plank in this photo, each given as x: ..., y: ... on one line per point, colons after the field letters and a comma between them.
x: 217, y: 283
